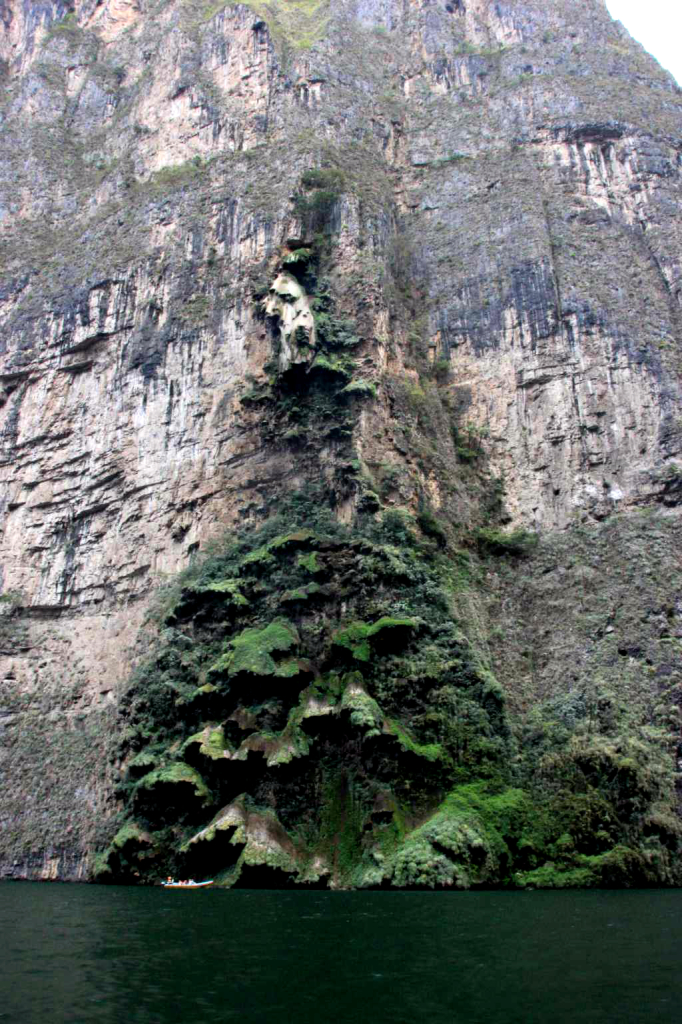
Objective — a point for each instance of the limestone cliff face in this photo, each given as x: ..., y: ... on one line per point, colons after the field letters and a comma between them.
x: 500, y: 183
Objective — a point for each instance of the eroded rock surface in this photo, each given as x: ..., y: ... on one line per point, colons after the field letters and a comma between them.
x: 427, y: 254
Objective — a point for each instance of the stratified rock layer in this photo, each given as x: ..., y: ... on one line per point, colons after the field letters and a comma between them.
x: 481, y: 198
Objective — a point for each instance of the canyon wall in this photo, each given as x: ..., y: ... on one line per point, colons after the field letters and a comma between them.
x: 497, y: 186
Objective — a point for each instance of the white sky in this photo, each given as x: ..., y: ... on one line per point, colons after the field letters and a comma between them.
x: 657, y: 24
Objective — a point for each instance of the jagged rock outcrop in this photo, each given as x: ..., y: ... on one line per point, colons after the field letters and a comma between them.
x: 482, y: 198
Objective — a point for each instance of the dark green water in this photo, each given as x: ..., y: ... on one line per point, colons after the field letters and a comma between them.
x: 99, y: 955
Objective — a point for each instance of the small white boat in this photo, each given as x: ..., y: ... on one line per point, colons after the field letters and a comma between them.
x: 171, y: 884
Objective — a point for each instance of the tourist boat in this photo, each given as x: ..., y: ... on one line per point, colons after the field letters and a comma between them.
x: 172, y: 884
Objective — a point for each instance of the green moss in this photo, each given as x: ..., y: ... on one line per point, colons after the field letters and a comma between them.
x: 212, y: 743
x: 261, y: 557
x: 301, y: 593
x: 365, y: 713
x: 429, y: 751
x: 431, y: 527
x: 290, y: 668
x: 252, y: 650
x: 100, y: 865
x: 297, y: 257
x: 341, y: 826
x: 174, y: 774
x: 410, y: 647
x: 392, y: 625
x: 620, y: 866
x: 356, y: 637
x: 328, y: 362
x: 144, y: 759
x: 129, y: 838
x: 360, y: 389
x: 229, y: 587
x: 264, y: 556
x: 309, y: 562
x: 128, y: 833
x: 297, y: 539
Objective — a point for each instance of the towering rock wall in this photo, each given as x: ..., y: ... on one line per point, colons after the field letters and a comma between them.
x: 497, y: 190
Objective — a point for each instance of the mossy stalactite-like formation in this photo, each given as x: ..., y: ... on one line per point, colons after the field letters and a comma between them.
x: 313, y: 696
x: 317, y: 712
x: 312, y: 701
x: 341, y: 433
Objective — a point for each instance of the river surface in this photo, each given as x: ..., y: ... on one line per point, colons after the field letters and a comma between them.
x: 116, y: 955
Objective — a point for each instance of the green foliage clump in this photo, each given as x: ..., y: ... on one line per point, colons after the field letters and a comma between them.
x: 365, y: 713
x: 464, y: 843
x: 429, y: 751
x: 356, y: 713
x: 334, y: 364
x: 211, y: 741
x: 300, y: 593
x: 309, y: 562
x: 357, y: 636
x: 431, y: 527
x: 322, y: 189
x: 354, y: 639
x: 252, y: 650
x: 492, y: 541
x: 228, y: 588
x: 361, y: 389
x: 311, y: 401
x: 175, y: 773
x: 447, y: 851
x: 299, y: 256
x: 234, y: 691
x: 130, y: 832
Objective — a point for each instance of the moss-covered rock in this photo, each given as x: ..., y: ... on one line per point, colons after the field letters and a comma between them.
x: 252, y: 651
x: 374, y: 729
x: 285, y: 718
